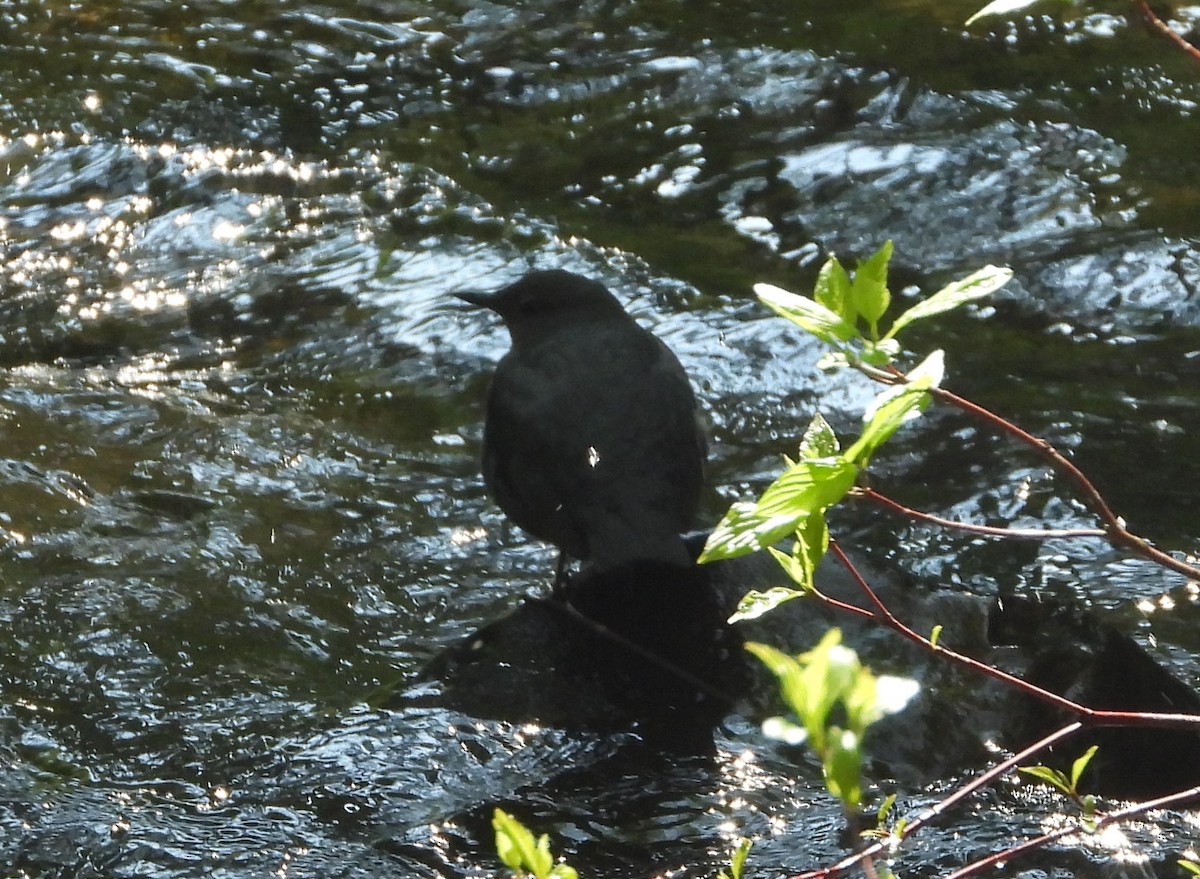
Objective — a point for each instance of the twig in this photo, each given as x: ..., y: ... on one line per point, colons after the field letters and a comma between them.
x: 1114, y: 526
x: 1163, y: 28
x: 1040, y: 841
x: 1115, y: 529
x: 942, y: 806
x: 1091, y: 716
x: 987, y: 530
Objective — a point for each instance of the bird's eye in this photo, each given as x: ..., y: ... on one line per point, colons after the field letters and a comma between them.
x: 529, y: 304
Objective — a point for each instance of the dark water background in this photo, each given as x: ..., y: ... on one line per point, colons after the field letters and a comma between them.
x: 240, y: 415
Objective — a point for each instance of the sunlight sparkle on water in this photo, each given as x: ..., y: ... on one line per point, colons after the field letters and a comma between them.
x: 228, y: 231
x: 463, y: 536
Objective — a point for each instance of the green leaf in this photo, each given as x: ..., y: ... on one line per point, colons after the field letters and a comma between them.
x: 788, y: 672
x: 514, y: 843
x: 832, y: 291
x: 830, y: 673
x: 743, y: 530
x: 520, y: 853
x: 812, y: 542
x: 1081, y: 764
x: 754, y: 603
x: 1088, y: 804
x: 806, y: 314
x: 879, y: 354
x: 843, y: 765
x: 895, y: 406
x: 795, y: 565
x: 807, y: 486
x: 885, y: 809
x: 819, y: 440
x: 869, y: 291
x: 737, y: 860
x: 935, y: 635
x: 1190, y: 866
x: 975, y: 286
x: 1051, y: 776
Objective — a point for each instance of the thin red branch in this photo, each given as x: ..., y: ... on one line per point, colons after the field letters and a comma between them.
x: 1114, y: 526
x: 1044, y: 448
x: 1040, y: 841
x: 1115, y: 529
x: 884, y: 846
x: 986, y: 530
x: 1092, y: 716
x: 1163, y: 28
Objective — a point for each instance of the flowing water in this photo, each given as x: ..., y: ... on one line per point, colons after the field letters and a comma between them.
x: 240, y: 413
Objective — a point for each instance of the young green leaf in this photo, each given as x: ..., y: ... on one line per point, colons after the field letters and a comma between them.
x: 813, y: 685
x: 819, y: 440
x: 935, y: 635
x: 521, y: 854
x: 807, y: 486
x: 737, y: 860
x: 516, y: 846
x: 794, y: 565
x: 788, y: 672
x: 810, y: 316
x: 843, y: 768
x: 1080, y: 764
x: 1051, y: 776
x: 1192, y: 868
x: 754, y: 603
x: 885, y: 809
x: 743, y: 530
x: 812, y: 542
x: 869, y: 291
x: 975, y: 286
x: 895, y: 406
x: 832, y: 290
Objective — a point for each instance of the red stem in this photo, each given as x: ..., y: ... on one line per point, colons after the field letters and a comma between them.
x: 943, y: 806
x: 1110, y: 818
x: 1093, y: 716
x: 988, y: 530
x: 1163, y: 28
x: 1114, y: 527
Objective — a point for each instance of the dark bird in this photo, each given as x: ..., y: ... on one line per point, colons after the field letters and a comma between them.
x: 593, y: 440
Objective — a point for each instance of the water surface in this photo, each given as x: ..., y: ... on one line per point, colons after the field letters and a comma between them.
x: 241, y: 415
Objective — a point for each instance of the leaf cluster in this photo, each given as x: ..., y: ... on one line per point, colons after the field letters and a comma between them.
x: 1064, y: 784
x: 834, y: 698
x: 846, y: 313
x: 524, y: 855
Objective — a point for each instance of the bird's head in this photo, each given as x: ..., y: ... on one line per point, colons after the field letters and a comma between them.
x: 543, y: 301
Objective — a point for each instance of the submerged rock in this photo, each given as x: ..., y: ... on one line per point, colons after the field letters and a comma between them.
x: 647, y: 649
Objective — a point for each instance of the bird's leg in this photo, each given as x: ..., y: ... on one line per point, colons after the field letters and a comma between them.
x: 561, y: 574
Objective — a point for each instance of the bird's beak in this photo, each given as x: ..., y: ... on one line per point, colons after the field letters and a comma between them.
x: 476, y: 298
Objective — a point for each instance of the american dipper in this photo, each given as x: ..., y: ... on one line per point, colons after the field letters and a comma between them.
x: 593, y: 440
